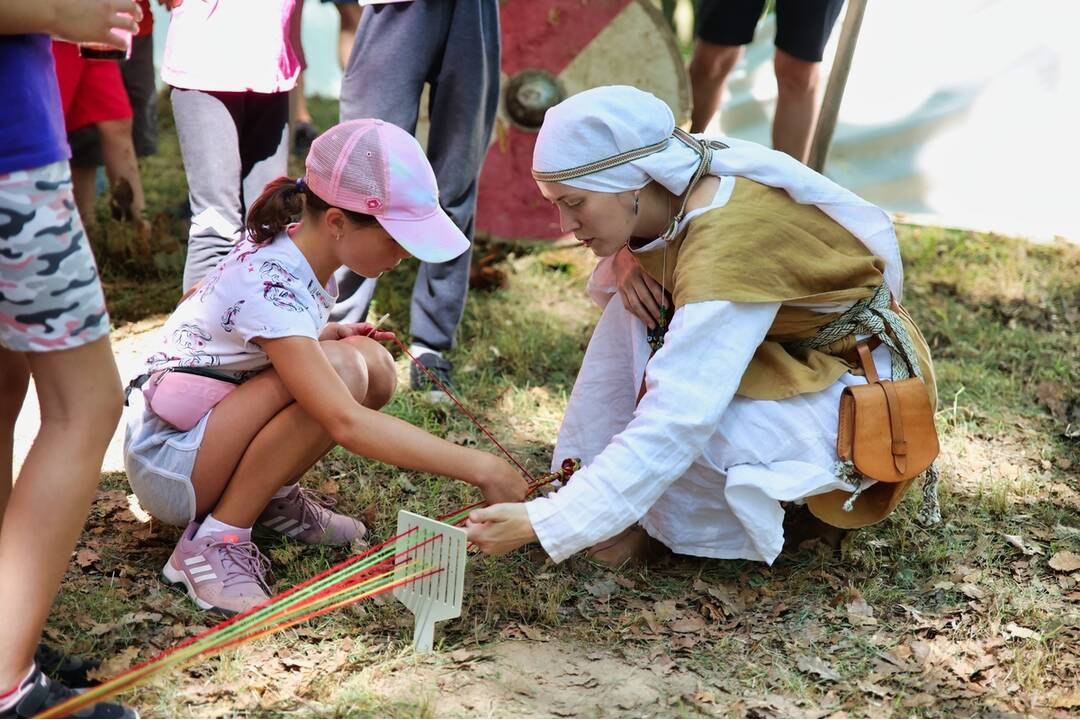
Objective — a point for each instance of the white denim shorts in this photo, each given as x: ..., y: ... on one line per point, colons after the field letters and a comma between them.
x: 159, y: 461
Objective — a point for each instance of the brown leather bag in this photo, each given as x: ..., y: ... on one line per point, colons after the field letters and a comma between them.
x: 886, y: 428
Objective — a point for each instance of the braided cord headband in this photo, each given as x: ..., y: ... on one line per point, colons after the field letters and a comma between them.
x: 600, y: 165
x: 704, y: 148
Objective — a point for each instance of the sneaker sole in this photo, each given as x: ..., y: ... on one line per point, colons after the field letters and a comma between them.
x: 177, y: 578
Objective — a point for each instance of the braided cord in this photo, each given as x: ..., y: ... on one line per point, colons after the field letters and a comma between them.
x: 600, y: 165
x: 871, y: 316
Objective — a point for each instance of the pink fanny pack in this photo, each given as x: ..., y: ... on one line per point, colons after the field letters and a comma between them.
x: 182, y: 396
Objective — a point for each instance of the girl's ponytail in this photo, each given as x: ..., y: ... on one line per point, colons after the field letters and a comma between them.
x: 279, y: 205
x: 282, y: 203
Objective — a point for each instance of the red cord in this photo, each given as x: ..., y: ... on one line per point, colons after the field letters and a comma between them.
x: 461, y: 407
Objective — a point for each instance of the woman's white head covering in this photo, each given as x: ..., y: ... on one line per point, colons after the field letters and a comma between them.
x: 618, y: 138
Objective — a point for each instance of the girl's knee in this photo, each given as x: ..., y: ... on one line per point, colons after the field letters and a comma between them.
x: 381, y: 372
x: 350, y: 366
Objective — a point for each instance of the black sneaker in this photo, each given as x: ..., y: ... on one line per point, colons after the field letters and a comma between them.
x: 303, y: 135
x: 67, y: 669
x: 47, y: 693
x: 440, y: 367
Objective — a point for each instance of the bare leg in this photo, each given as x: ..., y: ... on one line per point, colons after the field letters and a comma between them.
x: 298, y: 110
x: 84, y: 187
x: 14, y: 378
x: 709, y: 70
x: 797, y: 83
x: 118, y: 151
x: 350, y: 20
x: 258, y: 439
x: 80, y: 396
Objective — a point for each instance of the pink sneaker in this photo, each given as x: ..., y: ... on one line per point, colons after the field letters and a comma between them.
x: 305, y: 515
x: 219, y: 573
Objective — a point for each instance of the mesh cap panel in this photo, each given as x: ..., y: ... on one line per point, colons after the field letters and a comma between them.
x: 346, y: 167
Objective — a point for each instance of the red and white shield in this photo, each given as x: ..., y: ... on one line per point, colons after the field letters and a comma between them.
x: 552, y: 49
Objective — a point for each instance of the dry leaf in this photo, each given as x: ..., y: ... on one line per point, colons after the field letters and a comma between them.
x: 533, y: 633
x: 972, y: 590
x: 1052, y: 395
x: 1065, y: 561
x: 662, y: 664
x: 650, y: 620
x: 683, y: 642
x: 115, y: 665
x: 859, y: 612
x: 664, y: 609
x: 1065, y: 700
x: 691, y: 623
x: 603, y: 587
x: 871, y: 689
x: 1022, y: 545
x: 87, y: 557
x: 1017, y: 631
x: 918, y: 700
x: 817, y: 666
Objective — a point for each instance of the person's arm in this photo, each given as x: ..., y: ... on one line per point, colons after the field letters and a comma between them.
x: 313, y: 382
x: 295, y: 23
x: 74, y: 20
x: 690, y: 383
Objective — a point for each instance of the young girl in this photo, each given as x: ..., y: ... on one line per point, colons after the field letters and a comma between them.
x: 773, y: 272
x: 250, y: 386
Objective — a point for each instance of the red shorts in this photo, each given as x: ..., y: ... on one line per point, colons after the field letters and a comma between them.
x: 91, y: 91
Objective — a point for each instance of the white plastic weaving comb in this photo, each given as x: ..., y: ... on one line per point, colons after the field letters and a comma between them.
x: 438, y: 595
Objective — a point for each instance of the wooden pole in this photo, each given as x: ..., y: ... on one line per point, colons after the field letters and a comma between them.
x: 834, y: 90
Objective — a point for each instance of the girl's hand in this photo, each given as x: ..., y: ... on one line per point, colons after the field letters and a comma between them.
x: 500, y: 528
x: 340, y: 331
x: 499, y: 481
x: 640, y: 294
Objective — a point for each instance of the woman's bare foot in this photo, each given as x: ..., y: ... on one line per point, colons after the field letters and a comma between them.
x: 633, y: 545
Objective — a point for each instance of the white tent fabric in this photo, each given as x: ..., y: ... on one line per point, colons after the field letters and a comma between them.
x: 962, y: 113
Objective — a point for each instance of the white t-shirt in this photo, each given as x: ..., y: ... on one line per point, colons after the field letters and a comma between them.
x: 267, y: 291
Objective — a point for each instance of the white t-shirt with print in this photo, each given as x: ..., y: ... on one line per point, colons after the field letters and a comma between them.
x: 256, y: 291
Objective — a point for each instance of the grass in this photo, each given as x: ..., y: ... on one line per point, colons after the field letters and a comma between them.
x: 964, y: 622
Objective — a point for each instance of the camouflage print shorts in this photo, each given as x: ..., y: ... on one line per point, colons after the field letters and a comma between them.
x: 50, y: 294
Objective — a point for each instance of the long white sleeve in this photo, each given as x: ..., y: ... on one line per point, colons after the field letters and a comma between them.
x: 690, y: 383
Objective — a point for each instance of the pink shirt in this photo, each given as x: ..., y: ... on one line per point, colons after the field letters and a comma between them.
x: 232, y: 46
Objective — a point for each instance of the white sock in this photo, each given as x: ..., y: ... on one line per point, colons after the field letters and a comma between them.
x: 284, y: 491
x: 212, y: 526
x: 418, y: 350
x: 8, y: 702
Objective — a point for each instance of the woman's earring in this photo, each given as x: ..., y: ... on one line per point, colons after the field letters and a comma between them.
x: 637, y: 198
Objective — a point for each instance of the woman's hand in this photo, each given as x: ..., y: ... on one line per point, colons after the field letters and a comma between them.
x: 640, y: 294
x: 500, y: 481
x: 500, y: 528
x: 340, y: 331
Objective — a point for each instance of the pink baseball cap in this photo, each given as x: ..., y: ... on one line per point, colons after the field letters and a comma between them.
x: 376, y: 168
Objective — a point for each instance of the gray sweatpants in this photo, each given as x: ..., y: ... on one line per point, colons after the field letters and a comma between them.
x: 232, y: 144
x: 454, y: 46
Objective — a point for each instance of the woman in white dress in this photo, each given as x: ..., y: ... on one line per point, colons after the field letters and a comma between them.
x: 764, y: 263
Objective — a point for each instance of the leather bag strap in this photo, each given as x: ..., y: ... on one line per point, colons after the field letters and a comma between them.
x: 896, y: 425
x: 867, y: 361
